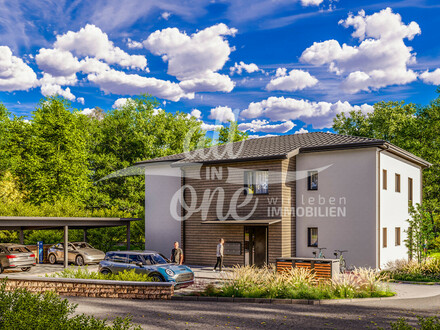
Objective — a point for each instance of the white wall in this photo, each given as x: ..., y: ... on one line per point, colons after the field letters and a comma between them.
x: 161, y: 229
x: 352, y: 175
x: 394, y: 205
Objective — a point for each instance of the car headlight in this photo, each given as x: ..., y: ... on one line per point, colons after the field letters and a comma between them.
x: 169, y: 272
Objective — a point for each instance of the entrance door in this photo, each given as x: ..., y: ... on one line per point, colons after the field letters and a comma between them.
x: 255, y: 246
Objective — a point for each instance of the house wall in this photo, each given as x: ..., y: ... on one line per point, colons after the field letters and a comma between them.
x: 200, y: 240
x: 351, y: 175
x: 161, y: 228
x: 394, y: 205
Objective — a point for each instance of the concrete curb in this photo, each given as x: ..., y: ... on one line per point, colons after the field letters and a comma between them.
x: 249, y: 300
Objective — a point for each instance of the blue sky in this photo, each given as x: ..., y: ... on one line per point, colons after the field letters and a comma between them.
x: 277, y: 67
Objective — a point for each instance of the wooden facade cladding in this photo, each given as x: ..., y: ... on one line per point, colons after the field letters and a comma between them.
x: 199, y: 240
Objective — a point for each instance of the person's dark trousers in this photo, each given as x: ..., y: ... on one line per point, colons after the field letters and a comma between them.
x: 219, y: 263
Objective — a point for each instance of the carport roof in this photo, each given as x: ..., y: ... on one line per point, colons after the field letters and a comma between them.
x: 29, y: 223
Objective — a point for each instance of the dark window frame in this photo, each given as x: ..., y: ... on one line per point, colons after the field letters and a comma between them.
x: 410, y: 192
x: 384, y: 237
x: 397, y: 237
x: 309, y: 237
x: 397, y: 182
x: 253, y: 184
x: 310, y: 174
x: 384, y: 179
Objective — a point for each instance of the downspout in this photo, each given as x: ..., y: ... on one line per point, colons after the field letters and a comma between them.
x: 183, y: 227
x: 379, y: 188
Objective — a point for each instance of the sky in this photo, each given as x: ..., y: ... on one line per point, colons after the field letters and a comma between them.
x: 276, y: 67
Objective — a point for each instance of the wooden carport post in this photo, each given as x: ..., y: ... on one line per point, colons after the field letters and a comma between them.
x: 66, y: 246
x: 21, y: 233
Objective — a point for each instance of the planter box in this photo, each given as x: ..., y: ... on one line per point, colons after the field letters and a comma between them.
x: 322, y: 268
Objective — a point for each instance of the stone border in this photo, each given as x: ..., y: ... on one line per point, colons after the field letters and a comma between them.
x: 91, y: 288
x: 275, y: 301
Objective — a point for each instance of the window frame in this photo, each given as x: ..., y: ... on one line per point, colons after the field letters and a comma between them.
x: 397, y: 182
x: 384, y: 237
x: 410, y: 191
x: 397, y: 237
x: 309, y: 237
x: 384, y: 179
x: 253, y: 185
x: 310, y: 174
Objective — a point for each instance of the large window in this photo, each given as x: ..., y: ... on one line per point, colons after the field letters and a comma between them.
x: 397, y: 182
x: 410, y: 191
x: 312, y: 237
x: 312, y: 180
x: 256, y: 182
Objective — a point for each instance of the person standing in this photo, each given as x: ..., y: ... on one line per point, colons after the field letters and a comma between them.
x: 220, y: 250
x: 177, y: 254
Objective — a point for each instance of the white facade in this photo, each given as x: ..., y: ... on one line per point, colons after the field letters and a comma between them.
x: 348, y: 208
x: 161, y: 229
x: 394, y: 205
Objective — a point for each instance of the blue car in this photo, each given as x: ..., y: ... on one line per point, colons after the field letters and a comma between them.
x: 147, y: 262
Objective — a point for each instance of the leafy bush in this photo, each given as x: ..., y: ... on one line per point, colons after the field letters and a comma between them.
x: 424, y: 323
x: 298, y: 283
x: 403, y: 270
x: 84, y: 273
x: 20, y: 309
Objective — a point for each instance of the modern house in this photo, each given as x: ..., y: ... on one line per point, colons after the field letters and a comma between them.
x: 284, y: 196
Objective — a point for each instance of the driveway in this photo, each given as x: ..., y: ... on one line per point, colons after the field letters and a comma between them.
x: 336, y: 315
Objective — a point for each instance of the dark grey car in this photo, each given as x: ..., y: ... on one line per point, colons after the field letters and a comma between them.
x: 16, y: 256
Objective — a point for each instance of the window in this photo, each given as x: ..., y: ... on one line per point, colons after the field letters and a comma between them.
x: 410, y: 191
x: 384, y: 180
x: 397, y: 182
x: 312, y: 180
x: 397, y: 238
x: 312, y: 237
x: 116, y: 257
x: 134, y: 259
x: 256, y: 182
x: 384, y: 237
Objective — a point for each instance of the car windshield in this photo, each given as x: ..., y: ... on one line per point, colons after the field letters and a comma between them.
x: 15, y: 249
x: 158, y: 259
x: 82, y: 245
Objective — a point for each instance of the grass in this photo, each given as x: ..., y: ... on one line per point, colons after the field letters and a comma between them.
x: 298, y: 283
x: 412, y: 271
x: 84, y: 273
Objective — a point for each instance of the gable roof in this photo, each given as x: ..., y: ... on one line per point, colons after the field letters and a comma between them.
x: 282, y: 146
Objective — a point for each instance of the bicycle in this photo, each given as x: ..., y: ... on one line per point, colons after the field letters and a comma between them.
x: 319, y: 255
x: 342, y: 263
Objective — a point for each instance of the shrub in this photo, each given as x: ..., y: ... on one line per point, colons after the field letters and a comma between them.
x: 84, y: 273
x: 424, y: 323
x: 403, y: 270
x: 20, y: 309
x: 297, y: 283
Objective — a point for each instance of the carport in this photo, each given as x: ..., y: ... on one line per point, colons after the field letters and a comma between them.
x: 41, y: 223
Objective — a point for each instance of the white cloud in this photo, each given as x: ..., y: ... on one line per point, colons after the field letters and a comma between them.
x: 51, y: 85
x: 119, y: 103
x: 239, y: 67
x: 252, y: 136
x: 14, y: 73
x: 311, y: 2
x: 80, y: 100
x: 264, y: 126
x: 196, y: 113
x: 296, y: 80
x: 165, y: 15
x: 91, y: 41
x: 87, y: 111
x: 301, y: 131
x: 118, y: 82
x: 222, y: 114
x: 380, y: 60
x: 195, y: 59
x: 320, y: 114
x: 57, y: 62
x: 432, y: 77
x: 51, y: 90
x: 132, y: 44
x: 210, y: 127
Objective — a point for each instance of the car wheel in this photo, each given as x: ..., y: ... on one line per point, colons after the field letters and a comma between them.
x: 52, y: 259
x: 105, y: 271
x: 157, y: 278
x: 79, y: 261
x: 26, y: 269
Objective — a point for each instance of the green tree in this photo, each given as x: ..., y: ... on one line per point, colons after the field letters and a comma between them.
x: 231, y: 133
x: 54, y: 163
